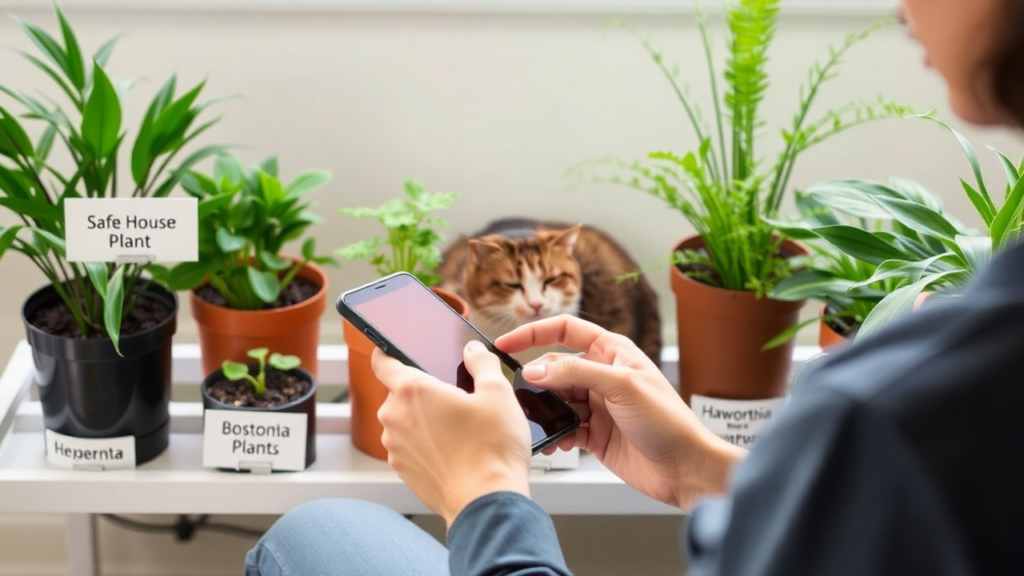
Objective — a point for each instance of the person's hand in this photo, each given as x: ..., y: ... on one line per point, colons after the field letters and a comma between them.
x: 449, y: 446
x: 632, y: 419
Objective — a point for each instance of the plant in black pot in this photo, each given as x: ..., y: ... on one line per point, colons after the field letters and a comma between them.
x: 100, y: 331
x: 274, y: 383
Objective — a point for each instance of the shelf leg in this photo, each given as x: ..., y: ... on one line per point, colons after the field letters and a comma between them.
x: 80, y: 535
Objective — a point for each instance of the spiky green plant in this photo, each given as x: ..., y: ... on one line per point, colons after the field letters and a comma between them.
x: 724, y: 188
x: 89, y: 126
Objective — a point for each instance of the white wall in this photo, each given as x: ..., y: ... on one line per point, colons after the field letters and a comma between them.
x: 493, y: 106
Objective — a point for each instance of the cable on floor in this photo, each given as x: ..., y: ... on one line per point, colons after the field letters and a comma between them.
x: 184, y: 528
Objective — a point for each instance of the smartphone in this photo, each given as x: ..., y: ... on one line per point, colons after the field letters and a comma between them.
x: 405, y: 319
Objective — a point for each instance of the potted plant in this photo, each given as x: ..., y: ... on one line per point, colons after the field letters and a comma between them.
x: 927, y: 249
x: 723, y: 274
x: 411, y: 244
x: 100, y: 332
x: 245, y: 292
x: 273, y: 383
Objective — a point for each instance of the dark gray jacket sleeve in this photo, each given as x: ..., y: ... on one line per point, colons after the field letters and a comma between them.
x: 504, y: 534
x: 834, y: 489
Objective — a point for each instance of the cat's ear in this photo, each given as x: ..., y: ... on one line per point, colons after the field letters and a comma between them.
x: 480, y: 249
x: 566, y: 239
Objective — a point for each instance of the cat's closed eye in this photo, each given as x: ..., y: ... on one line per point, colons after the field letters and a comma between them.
x: 552, y: 279
x: 512, y: 285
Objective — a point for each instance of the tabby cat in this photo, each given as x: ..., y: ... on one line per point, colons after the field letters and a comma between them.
x: 517, y: 270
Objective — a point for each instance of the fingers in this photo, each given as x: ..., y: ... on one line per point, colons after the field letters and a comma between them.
x: 569, y: 372
x: 484, y: 366
x: 570, y: 331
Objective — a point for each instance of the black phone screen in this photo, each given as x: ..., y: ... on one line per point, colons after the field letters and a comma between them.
x: 407, y: 320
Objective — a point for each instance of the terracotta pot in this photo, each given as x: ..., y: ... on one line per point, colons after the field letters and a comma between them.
x: 722, y: 333
x: 366, y: 393
x: 227, y: 334
x: 827, y: 337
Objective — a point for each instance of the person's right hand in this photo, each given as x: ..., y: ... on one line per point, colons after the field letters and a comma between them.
x: 632, y: 419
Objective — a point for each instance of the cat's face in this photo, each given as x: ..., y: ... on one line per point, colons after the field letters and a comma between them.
x: 510, y: 282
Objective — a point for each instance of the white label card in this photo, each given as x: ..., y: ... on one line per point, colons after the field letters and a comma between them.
x: 89, y: 453
x: 738, y: 421
x: 106, y: 229
x: 244, y: 439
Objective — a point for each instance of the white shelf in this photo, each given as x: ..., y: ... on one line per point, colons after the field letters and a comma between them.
x: 176, y: 483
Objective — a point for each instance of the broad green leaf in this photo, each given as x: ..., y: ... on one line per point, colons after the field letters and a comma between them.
x: 14, y: 141
x: 268, y: 165
x: 185, y: 276
x: 44, y: 145
x: 899, y: 302
x: 810, y: 284
x: 271, y: 187
x: 113, y: 307
x: 75, y: 66
x: 919, y: 218
x: 274, y: 262
x: 258, y: 353
x: 228, y: 171
x: 307, y: 182
x: 1012, y: 175
x: 99, y: 275
x: 265, y: 285
x: 46, y: 43
x: 142, y: 155
x: 229, y: 242
x: 860, y: 244
x: 284, y: 363
x: 212, y: 205
x: 1006, y: 224
x: 101, y: 120
x: 853, y: 197
x: 234, y: 370
x: 309, y: 249
x: 198, y: 156
x: 789, y: 333
x: 916, y: 192
x: 102, y: 55
x: 171, y: 124
x: 910, y: 271
x: 34, y: 208
x: 50, y: 239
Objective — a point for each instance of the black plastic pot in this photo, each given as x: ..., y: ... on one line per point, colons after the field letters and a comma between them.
x: 88, y: 391
x: 304, y: 405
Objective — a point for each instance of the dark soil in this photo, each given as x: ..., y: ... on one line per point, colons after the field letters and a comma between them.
x: 298, y: 291
x: 282, y: 388
x: 842, y: 326
x: 58, y: 320
x: 708, y: 275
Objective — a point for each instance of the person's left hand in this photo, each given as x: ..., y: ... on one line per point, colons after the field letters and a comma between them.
x: 449, y: 446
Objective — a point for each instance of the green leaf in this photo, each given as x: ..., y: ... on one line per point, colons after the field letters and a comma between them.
x: 7, y: 237
x: 46, y: 43
x: 14, y: 141
x: 75, y: 66
x: 810, y: 284
x: 899, y: 302
x: 258, y: 354
x: 307, y: 182
x: 271, y: 188
x: 229, y: 242
x: 860, y: 244
x: 980, y: 197
x: 853, y: 197
x: 265, y: 285
x: 359, y: 250
x: 210, y: 206
x: 113, y: 307
x: 916, y: 192
x: 228, y: 171
x: 36, y: 209
x: 911, y: 271
x: 789, y: 333
x: 309, y: 249
x: 101, y: 120
x: 99, y: 275
x: 50, y: 239
x: 55, y: 76
x: 274, y: 262
x: 1006, y: 224
x: 284, y: 363
x: 234, y: 371
x: 1012, y: 175
x: 919, y: 218
x: 976, y: 251
x: 103, y: 53
x: 185, y: 276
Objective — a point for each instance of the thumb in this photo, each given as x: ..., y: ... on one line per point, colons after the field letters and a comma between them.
x: 484, y: 366
x: 568, y: 372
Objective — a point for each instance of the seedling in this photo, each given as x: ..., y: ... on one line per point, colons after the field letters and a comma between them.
x: 235, y: 371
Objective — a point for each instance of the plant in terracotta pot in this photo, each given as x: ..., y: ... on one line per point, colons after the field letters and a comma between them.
x: 724, y: 273
x: 100, y: 331
x: 271, y: 382
x: 245, y: 291
x: 925, y: 249
x: 411, y: 244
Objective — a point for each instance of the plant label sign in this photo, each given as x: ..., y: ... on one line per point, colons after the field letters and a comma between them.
x: 243, y: 439
x: 89, y: 453
x: 108, y: 229
x: 738, y: 421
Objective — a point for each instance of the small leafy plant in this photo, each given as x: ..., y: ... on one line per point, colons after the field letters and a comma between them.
x: 724, y: 188
x: 413, y: 241
x: 246, y: 217
x: 925, y: 248
x: 235, y: 371
x: 89, y: 129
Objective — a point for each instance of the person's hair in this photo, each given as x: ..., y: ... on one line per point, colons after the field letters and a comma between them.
x: 1008, y: 65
